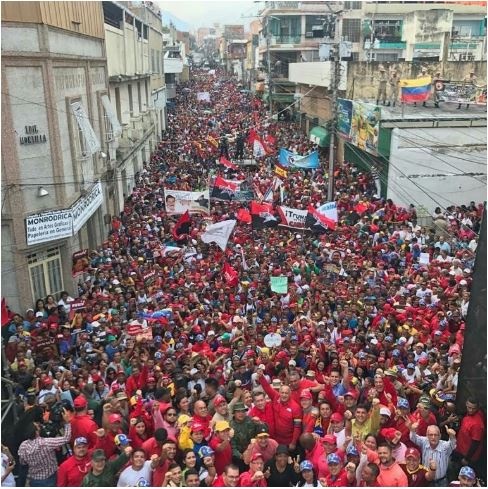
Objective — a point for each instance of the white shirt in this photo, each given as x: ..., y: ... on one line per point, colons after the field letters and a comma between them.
x: 133, y: 478
x: 10, y: 479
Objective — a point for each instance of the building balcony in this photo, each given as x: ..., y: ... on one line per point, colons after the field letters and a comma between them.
x: 317, y: 73
x: 173, y: 65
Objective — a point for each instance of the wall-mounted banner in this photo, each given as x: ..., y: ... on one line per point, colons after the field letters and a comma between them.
x: 292, y: 218
x: 112, y: 115
x: 180, y: 201
x: 461, y: 93
x: 81, y: 262
x: 84, y: 207
x: 83, y: 121
x: 288, y: 159
x: 359, y: 123
x: 48, y: 226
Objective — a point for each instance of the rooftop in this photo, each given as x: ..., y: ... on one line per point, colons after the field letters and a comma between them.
x: 475, y: 115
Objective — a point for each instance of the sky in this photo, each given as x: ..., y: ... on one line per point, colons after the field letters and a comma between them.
x: 203, y: 13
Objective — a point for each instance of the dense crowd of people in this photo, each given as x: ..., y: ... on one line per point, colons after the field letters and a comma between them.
x: 359, y: 386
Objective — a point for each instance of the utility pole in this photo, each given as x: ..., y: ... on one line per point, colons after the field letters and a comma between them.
x: 335, y: 57
x: 268, y: 53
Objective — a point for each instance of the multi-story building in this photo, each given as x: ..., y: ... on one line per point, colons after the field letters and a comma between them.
x: 56, y: 117
x: 130, y: 68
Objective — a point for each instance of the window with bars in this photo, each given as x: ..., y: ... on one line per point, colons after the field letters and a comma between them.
x: 386, y: 57
x: 45, y: 273
x: 351, y: 29
x: 352, y: 6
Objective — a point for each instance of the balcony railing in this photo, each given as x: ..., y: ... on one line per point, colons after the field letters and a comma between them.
x: 285, y: 40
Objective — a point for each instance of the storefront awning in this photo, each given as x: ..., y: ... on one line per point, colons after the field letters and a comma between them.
x: 320, y: 135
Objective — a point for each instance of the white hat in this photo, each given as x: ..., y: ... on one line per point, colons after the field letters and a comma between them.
x: 193, y: 371
x: 292, y: 363
x: 211, y: 333
x: 385, y: 411
x: 261, y: 366
x: 39, y: 314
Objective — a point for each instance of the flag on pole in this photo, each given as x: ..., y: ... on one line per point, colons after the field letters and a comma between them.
x: 280, y: 171
x: 262, y: 215
x: 231, y: 276
x: 244, y: 263
x: 244, y: 216
x: 227, y: 163
x: 224, y: 189
x: 182, y: 228
x: 219, y: 233
x: 322, y: 218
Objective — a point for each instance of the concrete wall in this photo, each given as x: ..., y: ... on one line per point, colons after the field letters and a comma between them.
x: 362, y: 76
x: 316, y: 104
x: 434, y: 158
x: 316, y: 73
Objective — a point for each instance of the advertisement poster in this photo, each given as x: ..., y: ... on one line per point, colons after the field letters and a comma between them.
x: 344, y: 117
x: 81, y: 263
x: 180, y: 201
x: 365, y: 127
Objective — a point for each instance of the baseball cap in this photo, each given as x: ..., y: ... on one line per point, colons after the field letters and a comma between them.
x: 337, y: 418
x: 222, y: 426
x: 351, y: 394
x: 467, y: 472
x: 412, y: 452
x: 403, y: 403
x: 352, y: 450
x: 193, y: 371
x: 410, y: 365
x: 385, y: 411
x: 333, y: 458
x: 388, y: 433
x: 79, y: 402
x: 121, y: 440
x: 239, y: 406
x: 205, y: 452
x: 262, y: 431
x: 281, y: 449
x: 306, y: 465
x: 197, y: 427
x: 114, y: 418
x: 218, y: 400
x: 98, y: 454
x: 329, y: 439
x: 256, y: 456
x: 81, y: 440
x: 306, y: 394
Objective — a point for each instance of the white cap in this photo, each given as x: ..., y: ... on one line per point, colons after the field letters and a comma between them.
x: 374, y: 341
x: 39, y: 314
x: 385, y: 411
x: 292, y: 363
x: 211, y: 333
x: 193, y: 371
x: 261, y: 366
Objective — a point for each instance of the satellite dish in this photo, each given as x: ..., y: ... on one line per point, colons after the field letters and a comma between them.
x: 272, y: 340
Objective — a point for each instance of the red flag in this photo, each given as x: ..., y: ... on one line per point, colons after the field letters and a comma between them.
x: 226, y: 184
x: 258, y: 208
x: 327, y: 222
x: 252, y: 136
x: 270, y: 141
x: 182, y: 227
x: 230, y: 275
x: 227, y: 163
x: 361, y: 207
x: 244, y: 216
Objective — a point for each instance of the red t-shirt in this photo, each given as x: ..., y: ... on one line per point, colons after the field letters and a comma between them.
x: 72, y: 471
x: 340, y: 480
x: 472, y: 428
x: 245, y: 481
x: 223, y: 457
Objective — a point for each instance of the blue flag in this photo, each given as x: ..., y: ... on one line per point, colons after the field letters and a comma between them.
x: 294, y: 160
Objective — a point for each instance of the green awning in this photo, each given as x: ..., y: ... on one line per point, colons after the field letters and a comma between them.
x: 286, y: 98
x: 320, y: 135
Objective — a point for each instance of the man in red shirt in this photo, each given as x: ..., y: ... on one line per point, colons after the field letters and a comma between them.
x: 298, y: 385
x: 262, y: 411
x: 74, y: 468
x: 469, y: 438
x: 287, y: 413
x: 254, y: 477
x: 417, y: 474
x: 229, y: 478
x: 220, y: 443
x: 83, y: 425
x: 339, y: 476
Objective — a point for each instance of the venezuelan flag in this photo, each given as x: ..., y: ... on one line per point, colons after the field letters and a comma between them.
x: 416, y: 90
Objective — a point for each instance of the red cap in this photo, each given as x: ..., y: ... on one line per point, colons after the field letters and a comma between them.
x: 257, y: 456
x: 48, y: 381
x: 329, y: 439
x: 151, y: 379
x: 306, y: 394
x: 80, y: 402
x: 337, y: 417
x: 388, y: 433
x: 114, y: 418
x: 352, y: 394
x: 412, y: 452
x: 218, y: 400
x: 198, y: 427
